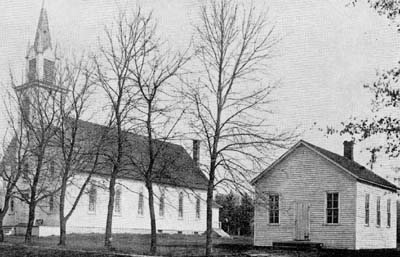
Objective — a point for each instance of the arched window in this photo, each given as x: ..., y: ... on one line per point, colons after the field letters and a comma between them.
x: 51, y: 203
x: 92, y: 199
x: 117, y: 201
x: 198, y: 207
x: 180, y: 205
x: 52, y: 168
x: 12, y: 205
x: 140, y: 204
x: 162, y: 204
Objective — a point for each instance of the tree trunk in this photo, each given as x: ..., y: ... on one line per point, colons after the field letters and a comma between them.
x: 3, y: 213
x: 63, y: 232
x: 32, y: 203
x: 210, y: 191
x: 110, y: 210
x: 31, y: 219
x: 62, y: 219
x: 153, y: 244
x: 1, y: 228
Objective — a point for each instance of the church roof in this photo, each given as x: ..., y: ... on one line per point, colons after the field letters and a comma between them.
x: 173, y: 166
x: 42, y: 37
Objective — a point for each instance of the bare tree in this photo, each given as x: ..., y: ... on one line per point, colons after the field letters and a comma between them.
x: 80, y: 144
x: 112, y: 72
x: 154, y: 66
x: 15, y: 153
x: 230, y: 100
x: 40, y: 118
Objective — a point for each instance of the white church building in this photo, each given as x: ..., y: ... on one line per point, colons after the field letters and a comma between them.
x: 180, y: 203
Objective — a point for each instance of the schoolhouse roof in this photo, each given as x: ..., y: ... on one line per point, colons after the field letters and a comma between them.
x: 358, y: 171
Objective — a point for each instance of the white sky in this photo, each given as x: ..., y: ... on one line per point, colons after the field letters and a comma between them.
x: 326, y: 53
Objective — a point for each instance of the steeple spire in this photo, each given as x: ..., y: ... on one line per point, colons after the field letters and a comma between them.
x: 42, y: 38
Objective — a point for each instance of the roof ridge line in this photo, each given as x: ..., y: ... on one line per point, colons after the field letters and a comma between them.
x: 317, y: 148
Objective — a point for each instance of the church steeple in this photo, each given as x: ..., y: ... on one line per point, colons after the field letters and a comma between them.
x: 40, y: 58
x: 42, y: 38
x: 40, y: 67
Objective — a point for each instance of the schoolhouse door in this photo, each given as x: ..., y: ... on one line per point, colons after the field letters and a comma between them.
x: 302, y: 221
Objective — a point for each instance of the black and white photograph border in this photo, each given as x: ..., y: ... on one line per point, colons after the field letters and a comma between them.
x: 199, y: 128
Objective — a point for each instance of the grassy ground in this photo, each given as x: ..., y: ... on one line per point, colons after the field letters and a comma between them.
x: 168, y: 245
x: 7, y: 250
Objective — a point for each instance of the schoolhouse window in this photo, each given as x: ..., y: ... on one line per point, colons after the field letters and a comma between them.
x: 140, y: 204
x: 198, y: 207
x: 117, y: 201
x: 92, y: 199
x: 180, y: 205
x: 274, y: 208
x: 367, y: 209
x: 332, y: 208
x: 388, y: 213
x: 378, y: 211
x: 162, y: 204
x: 51, y: 203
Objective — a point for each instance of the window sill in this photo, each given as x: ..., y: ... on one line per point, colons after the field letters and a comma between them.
x: 388, y: 226
x: 331, y: 224
x: 117, y: 214
x: 366, y: 225
x: 274, y: 224
x: 378, y: 226
x: 91, y: 213
x: 180, y: 218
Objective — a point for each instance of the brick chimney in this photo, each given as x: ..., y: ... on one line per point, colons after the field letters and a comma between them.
x: 196, y: 151
x: 348, y: 149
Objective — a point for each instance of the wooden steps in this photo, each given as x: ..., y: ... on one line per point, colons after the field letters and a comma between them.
x: 221, y: 233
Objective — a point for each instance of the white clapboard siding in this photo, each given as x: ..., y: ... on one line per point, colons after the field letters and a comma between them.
x: 373, y: 236
x: 128, y: 220
x: 306, y: 176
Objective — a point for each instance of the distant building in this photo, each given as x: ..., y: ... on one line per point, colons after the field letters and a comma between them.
x: 311, y: 194
x: 180, y: 197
